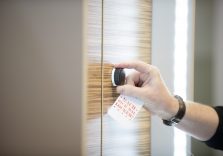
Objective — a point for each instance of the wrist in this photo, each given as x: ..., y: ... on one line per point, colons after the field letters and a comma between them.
x: 179, y: 115
x: 171, y: 108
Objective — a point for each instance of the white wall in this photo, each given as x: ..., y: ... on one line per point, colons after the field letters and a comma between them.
x: 163, y: 33
x: 162, y: 57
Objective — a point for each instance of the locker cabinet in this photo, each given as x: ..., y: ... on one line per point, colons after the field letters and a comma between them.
x: 117, y: 31
x: 55, y: 76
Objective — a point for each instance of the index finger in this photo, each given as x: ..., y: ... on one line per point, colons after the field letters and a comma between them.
x: 137, y: 65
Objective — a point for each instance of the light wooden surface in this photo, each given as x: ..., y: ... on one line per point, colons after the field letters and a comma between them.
x: 126, y: 35
x: 94, y: 101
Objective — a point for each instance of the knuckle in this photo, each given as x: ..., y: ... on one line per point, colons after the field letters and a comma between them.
x: 155, y: 70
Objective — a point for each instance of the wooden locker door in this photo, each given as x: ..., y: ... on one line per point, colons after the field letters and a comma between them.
x: 116, y: 31
x: 93, y: 61
x: 126, y: 36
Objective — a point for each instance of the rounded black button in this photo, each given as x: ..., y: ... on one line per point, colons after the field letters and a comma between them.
x: 119, y: 76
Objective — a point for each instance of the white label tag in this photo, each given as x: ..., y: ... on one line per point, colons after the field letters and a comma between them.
x: 125, y: 108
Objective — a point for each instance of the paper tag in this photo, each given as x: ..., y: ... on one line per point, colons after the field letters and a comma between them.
x: 125, y: 108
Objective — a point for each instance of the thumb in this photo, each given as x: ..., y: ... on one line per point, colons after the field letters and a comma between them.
x: 130, y: 90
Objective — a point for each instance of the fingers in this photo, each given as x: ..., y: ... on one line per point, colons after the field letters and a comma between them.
x: 137, y: 65
x: 133, y: 78
x: 130, y: 90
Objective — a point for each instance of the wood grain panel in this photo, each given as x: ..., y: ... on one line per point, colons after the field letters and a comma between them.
x: 127, y: 35
x: 93, y: 36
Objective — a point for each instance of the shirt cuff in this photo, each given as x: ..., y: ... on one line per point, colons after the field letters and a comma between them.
x: 216, y: 141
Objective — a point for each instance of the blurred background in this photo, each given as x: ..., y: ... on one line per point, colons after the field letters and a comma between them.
x: 208, y: 73
x: 204, y: 59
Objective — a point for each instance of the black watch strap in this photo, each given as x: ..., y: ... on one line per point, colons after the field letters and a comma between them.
x: 180, y: 114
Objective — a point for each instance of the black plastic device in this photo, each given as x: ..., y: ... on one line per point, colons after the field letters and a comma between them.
x: 118, y: 76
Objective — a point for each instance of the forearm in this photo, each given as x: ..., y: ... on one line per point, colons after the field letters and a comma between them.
x: 200, y: 121
x: 146, y: 83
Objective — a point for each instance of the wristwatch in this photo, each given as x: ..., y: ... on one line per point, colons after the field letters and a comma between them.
x: 180, y: 114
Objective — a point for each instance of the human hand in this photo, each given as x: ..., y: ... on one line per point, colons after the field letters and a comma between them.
x: 147, y: 84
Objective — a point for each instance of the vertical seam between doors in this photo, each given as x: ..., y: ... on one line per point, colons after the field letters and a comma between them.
x: 102, y: 70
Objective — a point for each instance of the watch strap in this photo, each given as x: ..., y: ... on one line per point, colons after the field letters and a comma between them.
x: 180, y: 114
